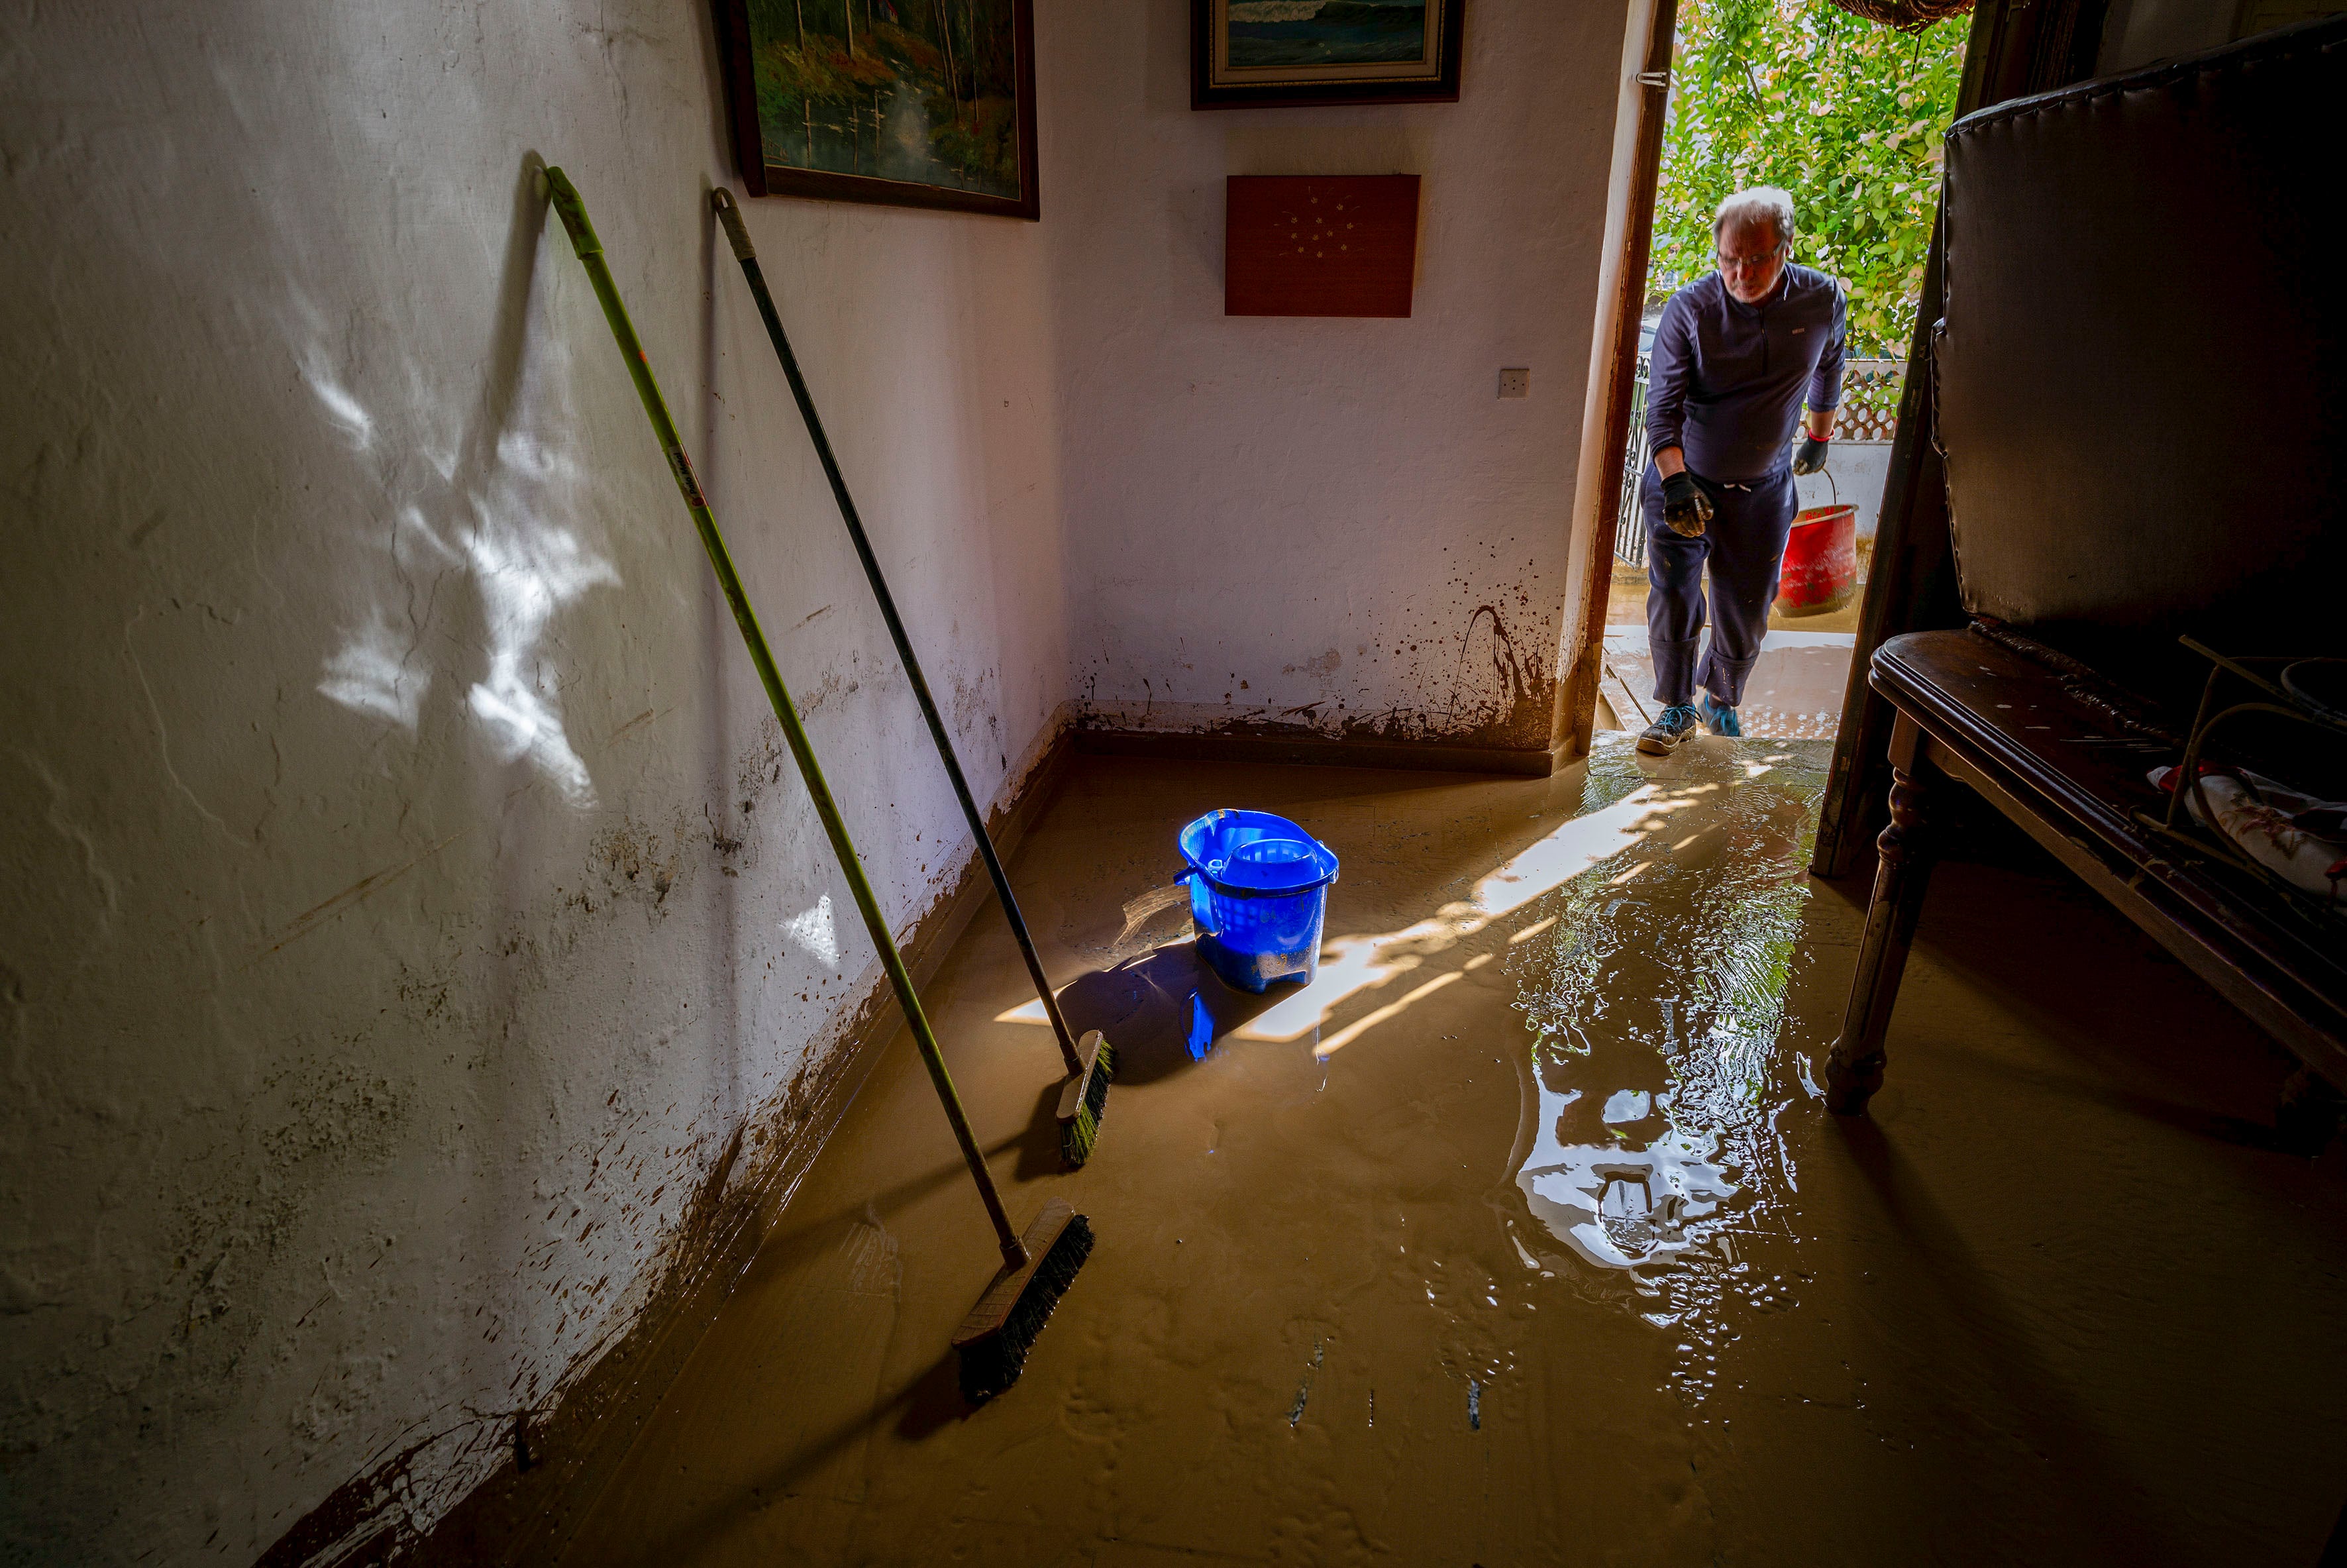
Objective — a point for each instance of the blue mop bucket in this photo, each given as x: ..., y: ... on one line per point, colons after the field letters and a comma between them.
x: 1258, y: 893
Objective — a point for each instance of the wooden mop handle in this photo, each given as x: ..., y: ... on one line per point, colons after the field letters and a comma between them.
x: 573, y: 212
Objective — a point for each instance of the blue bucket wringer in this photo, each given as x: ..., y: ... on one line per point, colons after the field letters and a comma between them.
x: 1258, y: 894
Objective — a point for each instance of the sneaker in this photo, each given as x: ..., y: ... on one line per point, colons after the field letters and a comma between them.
x: 1720, y: 718
x: 1674, y: 724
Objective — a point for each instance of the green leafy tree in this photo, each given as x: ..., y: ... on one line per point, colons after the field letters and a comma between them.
x: 1845, y: 114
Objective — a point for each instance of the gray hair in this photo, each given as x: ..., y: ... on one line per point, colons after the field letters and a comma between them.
x: 1761, y: 204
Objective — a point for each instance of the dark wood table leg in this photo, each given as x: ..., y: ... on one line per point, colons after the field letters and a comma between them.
x: 1854, y: 1066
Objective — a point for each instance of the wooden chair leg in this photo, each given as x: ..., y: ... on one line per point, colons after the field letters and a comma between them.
x: 1854, y: 1066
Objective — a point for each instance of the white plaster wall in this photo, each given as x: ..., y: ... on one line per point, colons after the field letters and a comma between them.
x: 1854, y: 475
x: 397, y: 871
x: 1326, y: 523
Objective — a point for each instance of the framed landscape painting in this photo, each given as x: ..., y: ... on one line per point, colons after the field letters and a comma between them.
x: 1263, y: 53
x: 910, y: 103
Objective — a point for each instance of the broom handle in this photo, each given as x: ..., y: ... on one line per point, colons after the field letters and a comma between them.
x: 573, y: 212
x: 744, y: 253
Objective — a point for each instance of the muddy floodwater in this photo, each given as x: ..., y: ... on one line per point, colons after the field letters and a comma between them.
x: 1522, y: 1236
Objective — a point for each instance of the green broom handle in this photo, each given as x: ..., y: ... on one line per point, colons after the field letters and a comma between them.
x: 746, y: 253
x: 573, y: 212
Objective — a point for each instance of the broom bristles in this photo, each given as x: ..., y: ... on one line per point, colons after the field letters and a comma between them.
x: 992, y: 1364
x: 1080, y: 1132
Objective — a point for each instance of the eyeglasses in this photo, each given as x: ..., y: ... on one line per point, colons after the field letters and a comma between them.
x: 1728, y: 264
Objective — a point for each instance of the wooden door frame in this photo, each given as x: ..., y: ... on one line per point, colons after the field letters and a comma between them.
x: 1576, y: 700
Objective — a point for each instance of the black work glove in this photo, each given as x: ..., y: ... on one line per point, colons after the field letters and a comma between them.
x: 1811, y: 457
x: 1685, y: 506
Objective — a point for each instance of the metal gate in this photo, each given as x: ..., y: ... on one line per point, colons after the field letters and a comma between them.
x: 1630, y: 529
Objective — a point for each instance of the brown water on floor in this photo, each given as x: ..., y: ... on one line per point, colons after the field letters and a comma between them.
x: 1521, y: 1237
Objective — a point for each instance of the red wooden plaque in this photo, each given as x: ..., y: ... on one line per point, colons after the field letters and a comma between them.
x: 1313, y: 245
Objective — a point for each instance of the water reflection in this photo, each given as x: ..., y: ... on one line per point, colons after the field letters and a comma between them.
x: 1201, y: 1037
x: 1621, y: 811
x: 504, y: 520
x: 1655, y: 992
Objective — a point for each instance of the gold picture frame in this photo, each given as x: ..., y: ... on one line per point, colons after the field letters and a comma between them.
x: 1255, y: 54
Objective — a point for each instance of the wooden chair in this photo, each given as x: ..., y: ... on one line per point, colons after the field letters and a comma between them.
x: 2141, y: 384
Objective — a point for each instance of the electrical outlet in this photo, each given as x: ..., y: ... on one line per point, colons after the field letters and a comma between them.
x: 1515, y: 383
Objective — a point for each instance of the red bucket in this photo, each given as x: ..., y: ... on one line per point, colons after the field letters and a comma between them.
x: 1821, y: 569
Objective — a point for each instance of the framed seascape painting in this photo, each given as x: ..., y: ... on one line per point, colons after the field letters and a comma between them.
x: 1264, y: 53
x: 910, y: 103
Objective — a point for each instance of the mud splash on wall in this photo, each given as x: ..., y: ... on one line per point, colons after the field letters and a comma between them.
x: 1481, y: 684
x: 544, y: 1445
x: 538, y: 1458
x: 1257, y: 494
x: 539, y: 1445
x: 392, y: 958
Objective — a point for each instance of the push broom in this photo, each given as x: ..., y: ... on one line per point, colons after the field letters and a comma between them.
x: 1091, y: 1062
x: 1037, y: 1267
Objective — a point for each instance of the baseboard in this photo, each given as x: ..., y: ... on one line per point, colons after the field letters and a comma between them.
x: 530, y: 1507
x: 1323, y: 751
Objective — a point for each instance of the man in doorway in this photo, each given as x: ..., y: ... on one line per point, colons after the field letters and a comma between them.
x: 1735, y: 355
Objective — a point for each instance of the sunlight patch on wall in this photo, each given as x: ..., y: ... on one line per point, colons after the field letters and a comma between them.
x: 375, y: 672
x: 344, y: 412
x: 814, y: 931
x: 527, y: 568
x: 493, y: 510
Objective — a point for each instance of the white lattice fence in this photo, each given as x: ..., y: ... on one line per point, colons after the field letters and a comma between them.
x: 1869, y: 399
x: 1870, y: 412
